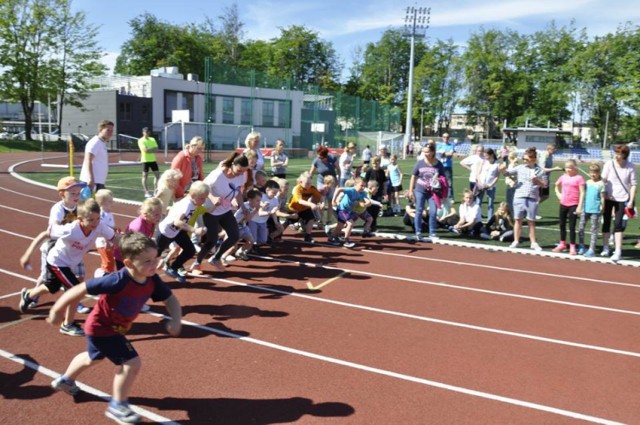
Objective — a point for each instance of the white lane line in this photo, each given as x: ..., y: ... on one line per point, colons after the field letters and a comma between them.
x: 458, y: 287
x: 404, y: 377
x: 436, y: 321
x: 406, y: 316
x: 396, y: 375
x: 469, y: 264
x: 86, y: 388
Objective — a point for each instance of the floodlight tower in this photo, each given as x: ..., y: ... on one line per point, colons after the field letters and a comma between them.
x: 416, y: 23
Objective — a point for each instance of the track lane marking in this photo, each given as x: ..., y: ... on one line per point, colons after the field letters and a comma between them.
x: 326, y: 282
x: 84, y: 387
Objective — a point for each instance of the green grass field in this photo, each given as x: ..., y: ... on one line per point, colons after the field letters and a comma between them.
x: 125, y: 182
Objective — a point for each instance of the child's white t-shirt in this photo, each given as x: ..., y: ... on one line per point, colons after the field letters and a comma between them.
x: 183, y: 208
x: 72, y: 244
x: 272, y: 203
x: 106, y: 218
x: 470, y: 213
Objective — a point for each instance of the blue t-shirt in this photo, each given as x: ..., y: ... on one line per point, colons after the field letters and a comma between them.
x: 394, y: 175
x: 441, y: 149
x: 592, y: 196
x: 351, y: 196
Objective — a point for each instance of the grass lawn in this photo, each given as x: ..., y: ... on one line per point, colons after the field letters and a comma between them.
x: 125, y: 182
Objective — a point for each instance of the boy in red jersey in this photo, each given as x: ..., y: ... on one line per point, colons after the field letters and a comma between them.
x: 122, y: 295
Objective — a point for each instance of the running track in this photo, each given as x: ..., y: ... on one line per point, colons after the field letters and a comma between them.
x: 397, y: 333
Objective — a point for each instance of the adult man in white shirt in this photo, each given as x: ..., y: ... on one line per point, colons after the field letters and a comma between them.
x: 95, y: 166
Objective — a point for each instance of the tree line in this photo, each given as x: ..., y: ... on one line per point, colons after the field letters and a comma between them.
x: 554, y: 75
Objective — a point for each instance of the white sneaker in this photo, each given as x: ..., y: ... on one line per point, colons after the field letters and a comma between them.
x: 617, y: 256
x: 605, y: 252
x: 434, y: 237
x: 536, y: 247
x: 514, y: 244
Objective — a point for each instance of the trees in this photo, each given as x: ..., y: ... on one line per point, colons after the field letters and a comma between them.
x: 46, y: 51
x: 298, y: 53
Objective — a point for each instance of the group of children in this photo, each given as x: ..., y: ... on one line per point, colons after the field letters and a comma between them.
x: 127, y: 279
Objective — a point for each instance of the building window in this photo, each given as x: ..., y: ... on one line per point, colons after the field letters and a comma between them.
x: 284, y: 114
x: 227, y: 110
x: 145, y: 114
x: 267, y: 113
x: 187, y: 103
x: 170, y: 104
x: 125, y: 111
x: 246, y: 114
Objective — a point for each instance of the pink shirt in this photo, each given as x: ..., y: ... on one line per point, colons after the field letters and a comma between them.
x: 570, y: 189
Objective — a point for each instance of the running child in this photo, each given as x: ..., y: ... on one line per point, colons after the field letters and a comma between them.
x: 73, y: 241
x: 104, y: 198
x: 268, y: 207
x: 122, y: 294
x: 244, y: 215
x: 345, y: 213
x: 306, y: 200
x: 175, y: 227
x: 62, y: 212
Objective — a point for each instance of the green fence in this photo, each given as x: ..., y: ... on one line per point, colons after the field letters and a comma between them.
x: 344, y: 115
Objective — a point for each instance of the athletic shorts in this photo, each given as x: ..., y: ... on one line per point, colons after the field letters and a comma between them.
x: 346, y: 215
x: 525, y: 208
x: 57, y: 277
x: 115, y: 348
x: 153, y: 165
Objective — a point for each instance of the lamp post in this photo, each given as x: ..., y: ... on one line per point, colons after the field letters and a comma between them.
x: 421, y: 122
x: 416, y: 23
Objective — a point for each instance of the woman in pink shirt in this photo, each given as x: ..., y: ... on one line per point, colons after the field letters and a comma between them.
x: 571, y: 200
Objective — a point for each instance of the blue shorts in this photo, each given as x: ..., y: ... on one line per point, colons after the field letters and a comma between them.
x: 346, y: 215
x: 116, y: 348
x: 525, y: 208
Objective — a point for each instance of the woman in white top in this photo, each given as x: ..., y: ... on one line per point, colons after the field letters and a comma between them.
x: 619, y: 176
x: 225, y: 194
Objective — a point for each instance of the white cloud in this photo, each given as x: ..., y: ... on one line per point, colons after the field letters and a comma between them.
x: 109, y: 59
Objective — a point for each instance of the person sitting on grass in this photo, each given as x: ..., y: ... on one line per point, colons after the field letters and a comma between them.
x: 470, y: 221
x: 122, y: 295
x: 500, y: 225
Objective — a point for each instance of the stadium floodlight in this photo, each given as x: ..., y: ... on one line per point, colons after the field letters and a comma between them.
x: 416, y: 23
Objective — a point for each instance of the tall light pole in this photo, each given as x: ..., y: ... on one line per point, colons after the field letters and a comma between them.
x: 416, y: 23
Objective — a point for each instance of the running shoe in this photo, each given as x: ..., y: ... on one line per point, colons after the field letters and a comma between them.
x: 83, y: 309
x: 348, y: 244
x: 536, y: 247
x: 65, y: 385
x: 24, y: 300
x: 122, y: 413
x: 72, y: 329
x: 174, y: 274
x: 216, y: 264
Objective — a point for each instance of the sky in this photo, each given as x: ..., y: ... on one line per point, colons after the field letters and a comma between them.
x: 349, y: 24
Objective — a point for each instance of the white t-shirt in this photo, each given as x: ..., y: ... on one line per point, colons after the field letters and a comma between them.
x: 470, y: 213
x: 184, y: 207
x: 272, y: 203
x: 72, y: 244
x: 345, y: 162
x: 106, y: 218
x: 474, y: 162
x: 220, y: 186
x: 100, y: 163
x: 59, y: 214
x: 488, y: 172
